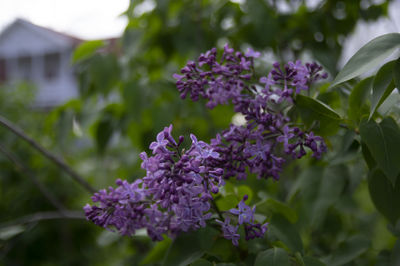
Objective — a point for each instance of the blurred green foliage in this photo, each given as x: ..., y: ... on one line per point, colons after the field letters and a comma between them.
x: 319, y: 212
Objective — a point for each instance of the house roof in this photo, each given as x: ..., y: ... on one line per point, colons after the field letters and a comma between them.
x: 47, y: 33
x: 48, y: 37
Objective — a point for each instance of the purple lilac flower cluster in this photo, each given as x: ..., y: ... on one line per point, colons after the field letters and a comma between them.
x: 174, y: 195
x: 243, y: 215
x: 256, y: 145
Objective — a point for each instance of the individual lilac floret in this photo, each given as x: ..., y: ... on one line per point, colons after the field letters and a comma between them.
x: 174, y: 195
x: 243, y: 215
x: 229, y: 231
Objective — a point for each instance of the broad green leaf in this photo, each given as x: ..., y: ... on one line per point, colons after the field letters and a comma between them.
x: 385, y: 197
x: 383, y: 258
x: 244, y: 190
x: 330, y: 189
x: 104, y: 131
x: 348, y: 251
x: 369, y: 56
x: 180, y: 253
x: 396, y: 74
x: 273, y: 257
x: 368, y: 156
x: 383, y: 142
x: 227, y: 202
x: 201, y: 262
x: 314, y: 112
x: 358, y: 97
x: 271, y: 206
x: 395, y: 228
x: 190, y: 246
x: 286, y: 232
x: 86, y: 49
x: 157, y: 252
x: 382, y: 86
x: 395, y: 257
x: 310, y: 261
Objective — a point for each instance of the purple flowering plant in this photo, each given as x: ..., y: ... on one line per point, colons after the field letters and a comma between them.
x: 178, y: 192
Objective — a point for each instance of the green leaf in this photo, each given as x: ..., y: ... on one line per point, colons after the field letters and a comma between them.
x: 382, y: 86
x: 310, y: 261
x: 286, y: 232
x: 244, y: 190
x: 273, y: 257
x: 86, y: 49
x: 383, y: 142
x: 313, y: 111
x: 271, y: 206
x: 104, y: 131
x: 181, y: 253
x: 357, y: 98
x: 157, y: 252
x: 385, y: 197
x: 330, y: 189
x: 348, y: 251
x: 368, y: 156
x: 369, y: 56
x: 396, y: 74
x: 201, y: 262
x: 227, y: 202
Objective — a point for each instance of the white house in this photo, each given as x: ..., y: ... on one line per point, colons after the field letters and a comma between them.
x: 41, y: 56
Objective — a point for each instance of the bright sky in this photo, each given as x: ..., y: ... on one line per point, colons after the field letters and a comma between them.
x: 96, y: 19
x: 87, y: 19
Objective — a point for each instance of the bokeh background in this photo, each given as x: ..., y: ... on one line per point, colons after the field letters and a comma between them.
x: 125, y: 95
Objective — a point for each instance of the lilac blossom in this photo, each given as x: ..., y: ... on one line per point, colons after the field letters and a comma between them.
x: 174, y: 195
x: 243, y: 215
x: 255, y: 146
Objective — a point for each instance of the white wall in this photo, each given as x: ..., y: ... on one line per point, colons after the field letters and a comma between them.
x: 22, y: 40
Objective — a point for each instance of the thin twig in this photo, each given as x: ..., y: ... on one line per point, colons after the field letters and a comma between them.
x: 41, y: 216
x: 19, y: 166
x: 57, y: 160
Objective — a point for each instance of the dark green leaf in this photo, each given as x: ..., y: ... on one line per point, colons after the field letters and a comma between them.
x: 385, y: 197
x: 395, y: 257
x: 286, y: 232
x: 330, y: 189
x: 313, y: 111
x: 86, y: 49
x: 367, y: 156
x: 104, y: 131
x: 189, y: 247
x: 310, y: 261
x: 244, y: 190
x: 227, y: 202
x: 201, y: 262
x: 383, y: 142
x: 271, y: 206
x: 358, y: 97
x: 382, y: 86
x: 157, y: 252
x: 272, y: 257
x: 348, y: 251
x: 396, y: 74
x: 369, y: 56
